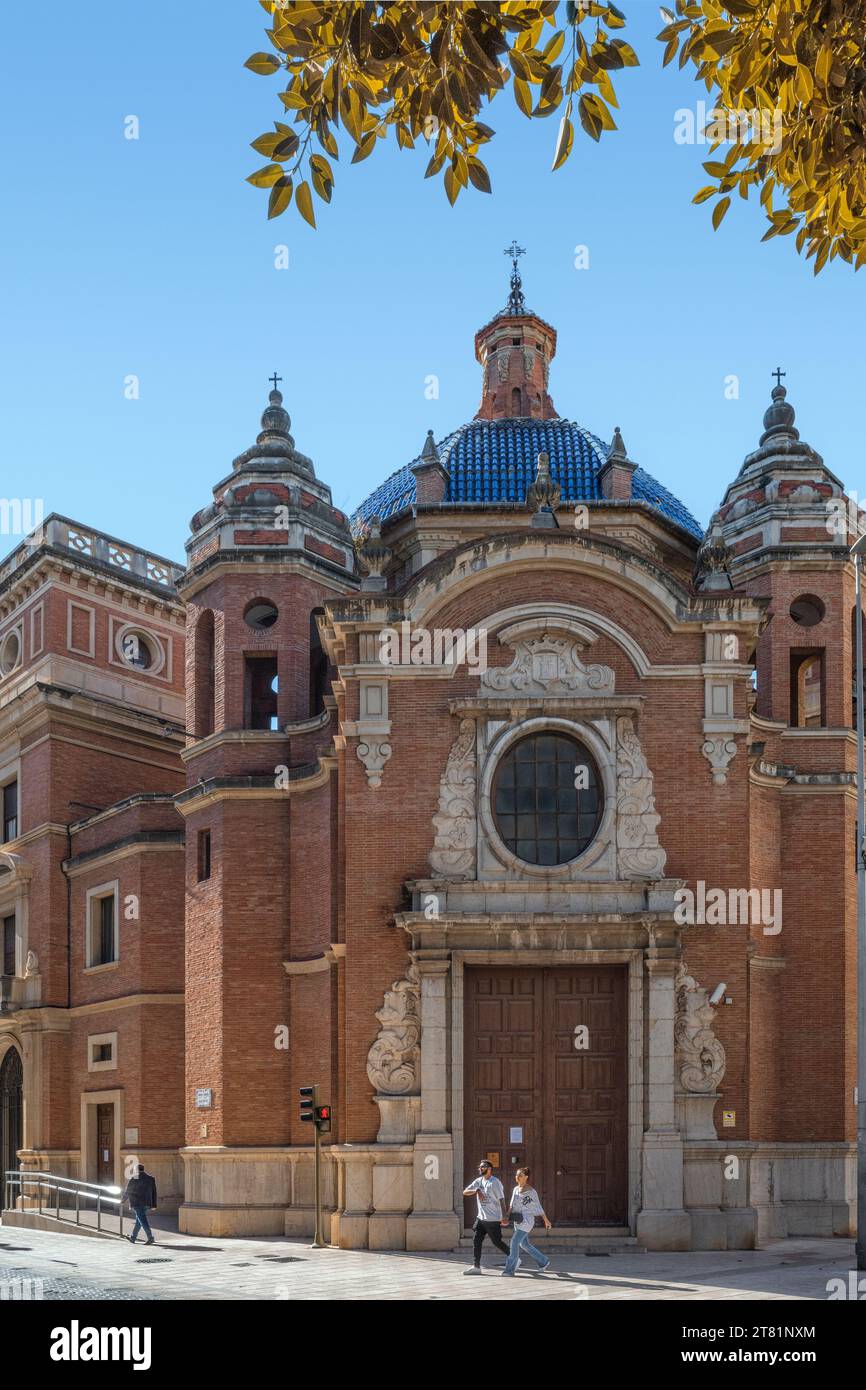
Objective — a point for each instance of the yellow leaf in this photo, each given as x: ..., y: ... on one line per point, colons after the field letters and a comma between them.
x: 266, y: 177
x: 366, y: 147
x: 554, y: 47
x: 564, y: 142
x: 478, y: 174
x: 281, y: 196
x: 803, y: 85
x: 304, y: 203
x: 719, y: 211
x: 523, y: 96
x: 263, y: 63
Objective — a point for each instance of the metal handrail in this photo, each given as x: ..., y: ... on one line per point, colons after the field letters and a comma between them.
x: 21, y: 1178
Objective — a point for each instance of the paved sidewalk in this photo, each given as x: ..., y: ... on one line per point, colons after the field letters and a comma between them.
x: 187, y: 1267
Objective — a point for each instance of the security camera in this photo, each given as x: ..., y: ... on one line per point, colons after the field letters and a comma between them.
x: 718, y: 993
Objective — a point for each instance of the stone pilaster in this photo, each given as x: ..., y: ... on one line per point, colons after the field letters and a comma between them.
x: 433, y: 1223
x: 662, y: 1223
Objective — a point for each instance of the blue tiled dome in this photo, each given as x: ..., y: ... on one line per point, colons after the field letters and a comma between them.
x: 495, y: 460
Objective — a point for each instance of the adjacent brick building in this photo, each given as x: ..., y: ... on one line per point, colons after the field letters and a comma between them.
x: 268, y: 821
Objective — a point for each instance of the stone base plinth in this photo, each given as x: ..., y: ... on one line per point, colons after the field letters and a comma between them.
x: 400, y: 1117
x: 664, y: 1230
x: 386, y: 1231
x: 230, y: 1221
x: 432, y: 1230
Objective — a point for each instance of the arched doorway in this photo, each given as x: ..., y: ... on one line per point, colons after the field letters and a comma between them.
x: 11, y: 1089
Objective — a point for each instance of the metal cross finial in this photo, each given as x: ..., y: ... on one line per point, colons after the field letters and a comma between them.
x: 275, y: 379
x: 516, y: 302
x: 778, y: 374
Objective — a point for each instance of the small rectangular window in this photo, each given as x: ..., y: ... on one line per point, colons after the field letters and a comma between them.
x: 102, y: 1052
x: 807, y: 685
x: 102, y: 930
x: 260, y: 694
x: 9, y: 945
x: 203, y: 855
x: 10, y: 811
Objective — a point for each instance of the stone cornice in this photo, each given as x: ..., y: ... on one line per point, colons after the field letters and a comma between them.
x: 516, y: 705
x: 142, y: 842
x: 213, y: 789
x: 474, y: 562
x: 125, y: 1001
x: 223, y: 562
x: 245, y: 737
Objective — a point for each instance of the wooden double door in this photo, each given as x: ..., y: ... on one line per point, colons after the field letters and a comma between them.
x: 546, y: 1085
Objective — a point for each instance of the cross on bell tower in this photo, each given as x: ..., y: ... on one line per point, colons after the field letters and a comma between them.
x: 516, y: 300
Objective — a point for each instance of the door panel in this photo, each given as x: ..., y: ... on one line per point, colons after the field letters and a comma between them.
x: 534, y: 1097
x: 105, y: 1144
x: 503, y: 1070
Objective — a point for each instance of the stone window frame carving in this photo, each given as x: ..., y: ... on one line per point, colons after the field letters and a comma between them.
x: 16, y: 631
x: 160, y: 650
x: 605, y: 760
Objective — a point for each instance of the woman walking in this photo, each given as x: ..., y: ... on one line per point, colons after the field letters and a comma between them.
x: 524, y: 1207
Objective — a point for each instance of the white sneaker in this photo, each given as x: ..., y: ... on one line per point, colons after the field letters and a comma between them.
x: 473, y: 1269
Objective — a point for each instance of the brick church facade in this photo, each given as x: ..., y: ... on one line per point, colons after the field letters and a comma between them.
x: 268, y: 822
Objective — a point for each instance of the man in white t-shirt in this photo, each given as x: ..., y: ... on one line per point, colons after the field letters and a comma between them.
x: 489, y: 1197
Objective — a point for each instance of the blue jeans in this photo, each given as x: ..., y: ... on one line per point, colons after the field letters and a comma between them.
x: 141, y: 1223
x: 520, y: 1242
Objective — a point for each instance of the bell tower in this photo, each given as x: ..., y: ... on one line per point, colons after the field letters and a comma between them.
x: 783, y: 534
x: 515, y: 350
x: 263, y: 558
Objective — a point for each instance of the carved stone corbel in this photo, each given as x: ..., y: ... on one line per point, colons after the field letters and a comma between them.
x: 373, y: 753
x: 719, y: 750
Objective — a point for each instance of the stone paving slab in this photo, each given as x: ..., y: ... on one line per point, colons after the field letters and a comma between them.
x: 181, y: 1267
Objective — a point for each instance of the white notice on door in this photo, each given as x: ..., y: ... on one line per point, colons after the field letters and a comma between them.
x: 105, y: 1155
x: 515, y: 1135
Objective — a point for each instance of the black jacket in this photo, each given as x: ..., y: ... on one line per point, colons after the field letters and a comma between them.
x: 141, y: 1191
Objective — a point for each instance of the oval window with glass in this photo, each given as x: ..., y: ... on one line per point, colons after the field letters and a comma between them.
x: 547, y: 799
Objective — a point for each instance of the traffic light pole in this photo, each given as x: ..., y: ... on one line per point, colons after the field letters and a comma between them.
x: 318, y: 1239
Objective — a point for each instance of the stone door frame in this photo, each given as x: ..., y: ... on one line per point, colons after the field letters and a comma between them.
x: 87, y: 1167
x: 633, y: 959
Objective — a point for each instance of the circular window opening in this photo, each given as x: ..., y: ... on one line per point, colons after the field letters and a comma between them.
x: 137, y: 650
x: 260, y: 615
x: 807, y: 610
x: 10, y: 653
x: 547, y: 799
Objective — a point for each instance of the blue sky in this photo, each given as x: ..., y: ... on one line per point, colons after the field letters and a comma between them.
x: 154, y: 258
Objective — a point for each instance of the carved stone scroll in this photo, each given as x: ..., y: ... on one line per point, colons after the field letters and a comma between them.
x: 699, y: 1054
x: 639, y: 854
x: 394, y: 1059
x: 453, y: 852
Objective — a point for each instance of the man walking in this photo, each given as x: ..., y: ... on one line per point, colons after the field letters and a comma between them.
x: 490, y: 1198
x: 140, y: 1193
